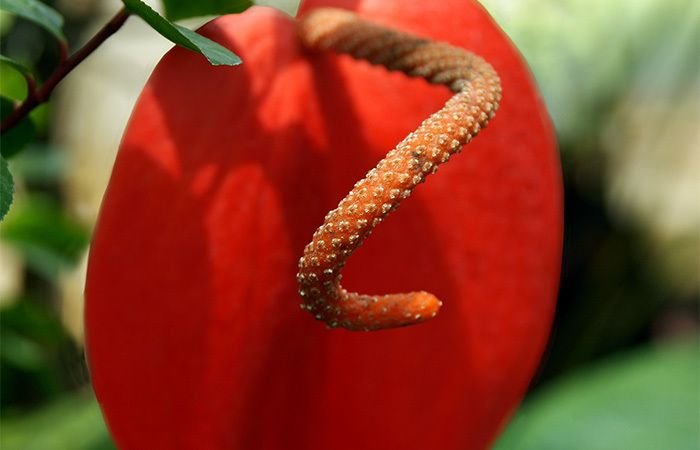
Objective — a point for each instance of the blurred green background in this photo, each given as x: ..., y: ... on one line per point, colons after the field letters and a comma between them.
x: 622, y: 82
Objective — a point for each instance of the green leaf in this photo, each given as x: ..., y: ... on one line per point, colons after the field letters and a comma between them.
x: 13, y: 85
x: 16, y: 138
x: 40, y: 163
x: 15, y: 65
x: 645, y: 401
x: 37, y: 12
x: 35, y: 320
x: 177, y: 9
x: 47, y: 239
x: 36, y: 353
x: 215, y: 53
x: 70, y: 423
x: 19, y: 352
x: 7, y: 188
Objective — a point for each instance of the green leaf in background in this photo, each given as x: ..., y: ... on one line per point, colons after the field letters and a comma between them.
x: 71, y: 423
x: 37, y: 12
x: 215, y: 53
x: 47, y: 239
x: 14, y: 64
x: 177, y: 9
x: 14, y: 85
x: 40, y: 163
x: 33, y: 355
x: 19, y: 352
x: 7, y: 188
x: 647, y: 401
x: 15, y: 139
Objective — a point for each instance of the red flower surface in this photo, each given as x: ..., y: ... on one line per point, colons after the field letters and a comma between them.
x: 195, y: 338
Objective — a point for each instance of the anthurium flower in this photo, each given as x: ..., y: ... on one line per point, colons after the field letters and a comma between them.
x: 195, y: 338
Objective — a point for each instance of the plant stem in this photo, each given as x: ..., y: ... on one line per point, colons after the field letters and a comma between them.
x: 66, y: 65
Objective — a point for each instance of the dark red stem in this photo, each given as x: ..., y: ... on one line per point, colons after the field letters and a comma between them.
x: 38, y: 96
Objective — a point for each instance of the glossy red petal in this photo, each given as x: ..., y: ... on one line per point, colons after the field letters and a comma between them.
x: 194, y: 333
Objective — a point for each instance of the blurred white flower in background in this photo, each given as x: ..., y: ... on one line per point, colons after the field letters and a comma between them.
x: 10, y: 275
x: 630, y: 72
x: 654, y: 176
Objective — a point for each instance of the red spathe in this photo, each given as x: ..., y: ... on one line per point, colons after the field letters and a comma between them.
x: 195, y: 337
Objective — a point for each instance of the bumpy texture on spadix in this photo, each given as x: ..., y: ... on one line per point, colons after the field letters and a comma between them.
x: 478, y: 92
